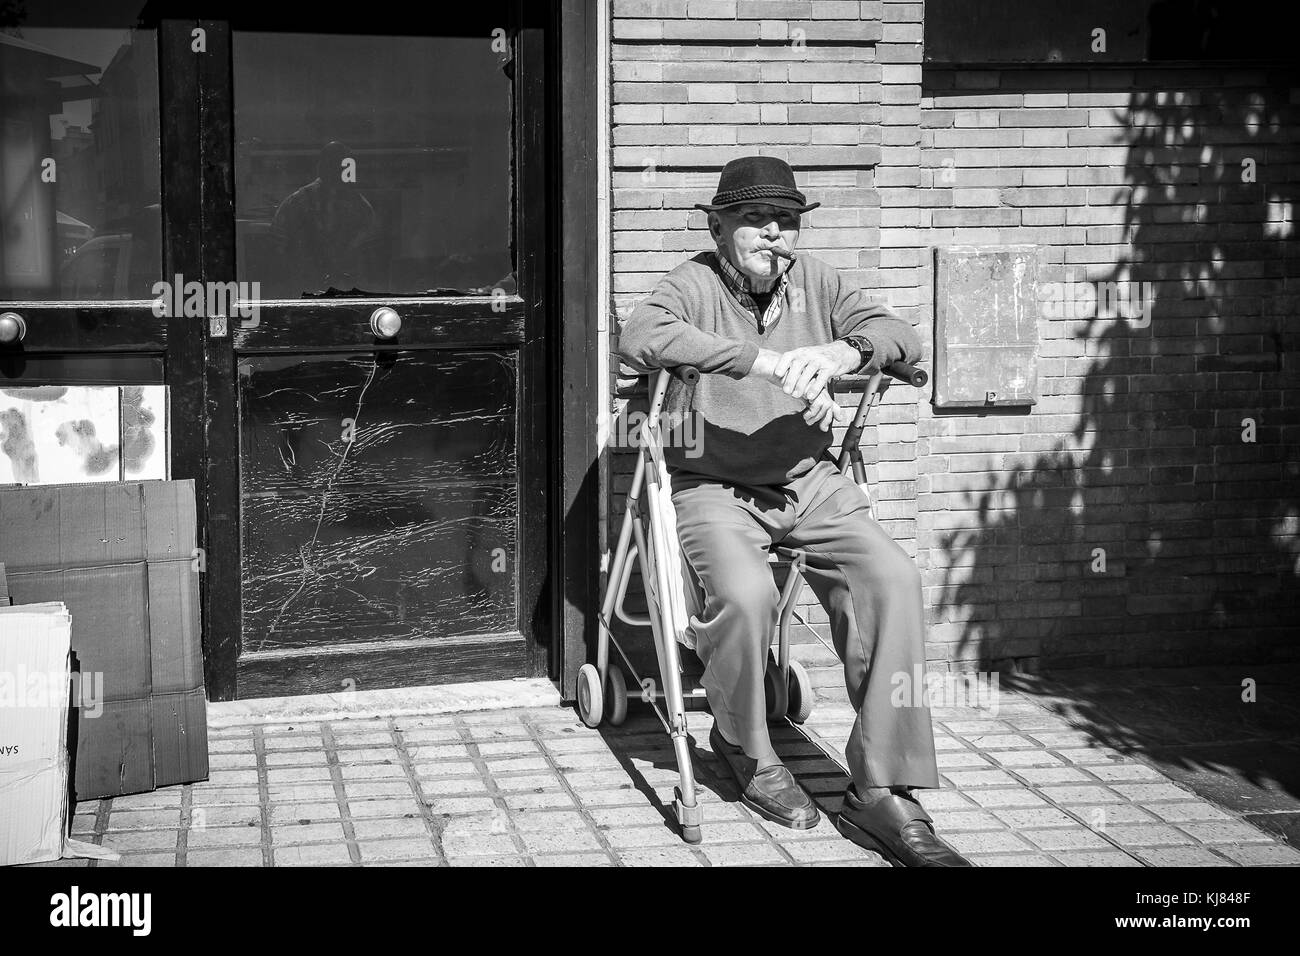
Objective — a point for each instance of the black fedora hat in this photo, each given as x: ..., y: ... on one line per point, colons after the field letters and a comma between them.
x: 764, y: 179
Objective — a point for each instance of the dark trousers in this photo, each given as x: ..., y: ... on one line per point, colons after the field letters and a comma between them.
x: 868, y: 585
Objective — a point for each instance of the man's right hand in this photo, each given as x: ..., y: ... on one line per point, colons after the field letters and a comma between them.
x: 822, y: 411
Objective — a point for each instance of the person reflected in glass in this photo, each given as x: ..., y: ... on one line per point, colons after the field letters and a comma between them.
x: 322, y: 228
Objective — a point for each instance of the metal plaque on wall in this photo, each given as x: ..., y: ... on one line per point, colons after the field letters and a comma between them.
x: 985, y: 326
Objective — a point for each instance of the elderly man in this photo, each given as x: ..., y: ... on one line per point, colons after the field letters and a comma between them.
x: 769, y: 329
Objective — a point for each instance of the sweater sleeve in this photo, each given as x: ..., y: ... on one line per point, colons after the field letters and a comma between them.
x: 658, y: 335
x: 892, y: 339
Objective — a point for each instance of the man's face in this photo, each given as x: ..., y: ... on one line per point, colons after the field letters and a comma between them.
x: 746, y: 232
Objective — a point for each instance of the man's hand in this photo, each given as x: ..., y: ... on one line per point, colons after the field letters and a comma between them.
x: 823, y: 412
x: 804, y: 372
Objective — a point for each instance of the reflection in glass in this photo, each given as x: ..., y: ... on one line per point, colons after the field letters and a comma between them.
x: 371, y: 164
x: 80, y: 213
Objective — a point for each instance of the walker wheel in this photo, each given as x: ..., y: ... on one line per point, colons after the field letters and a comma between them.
x: 591, y: 699
x: 775, y: 691
x: 616, y: 695
x: 800, y: 700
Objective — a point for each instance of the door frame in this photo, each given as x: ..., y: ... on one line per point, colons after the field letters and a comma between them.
x: 556, y: 206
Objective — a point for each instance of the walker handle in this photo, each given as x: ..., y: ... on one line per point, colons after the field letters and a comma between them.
x: 686, y: 374
x: 907, y: 374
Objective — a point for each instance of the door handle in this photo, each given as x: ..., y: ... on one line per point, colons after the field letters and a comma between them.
x: 385, y: 323
x: 12, y: 328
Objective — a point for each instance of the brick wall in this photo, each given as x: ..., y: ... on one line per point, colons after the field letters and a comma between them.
x: 1135, y: 445
x: 1135, y: 452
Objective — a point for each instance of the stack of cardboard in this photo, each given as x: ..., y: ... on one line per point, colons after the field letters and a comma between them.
x: 35, y: 643
x: 121, y: 556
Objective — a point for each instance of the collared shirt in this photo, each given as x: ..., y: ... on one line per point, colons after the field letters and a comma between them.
x: 743, y: 288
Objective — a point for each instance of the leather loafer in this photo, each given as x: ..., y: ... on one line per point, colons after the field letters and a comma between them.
x: 772, y: 792
x: 898, y: 829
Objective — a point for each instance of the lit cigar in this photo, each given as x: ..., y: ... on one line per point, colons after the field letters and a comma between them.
x: 777, y: 250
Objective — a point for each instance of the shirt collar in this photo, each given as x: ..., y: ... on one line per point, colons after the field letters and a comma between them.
x: 739, y: 285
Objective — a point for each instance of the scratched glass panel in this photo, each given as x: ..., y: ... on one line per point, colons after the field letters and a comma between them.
x: 375, y: 164
x: 380, y: 497
x: 79, y: 161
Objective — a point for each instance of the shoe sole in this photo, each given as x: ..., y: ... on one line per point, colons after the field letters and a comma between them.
x: 855, y: 834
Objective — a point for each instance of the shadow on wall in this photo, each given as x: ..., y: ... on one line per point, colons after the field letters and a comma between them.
x: 1163, y: 529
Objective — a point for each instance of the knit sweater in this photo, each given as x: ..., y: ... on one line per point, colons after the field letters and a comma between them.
x: 748, y: 431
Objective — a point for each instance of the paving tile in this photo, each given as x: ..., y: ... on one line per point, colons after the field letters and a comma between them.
x: 376, y: 850
x: 811, y: 851
x: 382, y: 829
x: 1005, y: 797
x: 144, y: 819
x: 138, y: 859
x: 280, y: 776
x: 1018, y: 759
x: 478, y: 845
x: 643, y: 815
x: 320, y: 854
x: 1188, y: 810
x: 1146, y: 834
x: 1044, y: 776
x: 987, y: 842
x: 659, y: 856
x: 1261, y: 854
x: 946, y: 759
x: 153, y: 800
x: 306, y: 833
x: 202, y: 796
x: 574, y: 859
x: 1087, y: 756
x: 945, y: 820
x: 225, y: 856
x: 406, y: 806
x: 527, y: 801
x: 1037, y: 817
x: 745, y: 854
x: 210, y: 837
x: 141, y: 840
x: 944, y: 800
x: 1149, y: 792
x: 372, y: 789
x: 1124, y: 772
x: 964, y: 779
x: 1096, y: 858
x: 1065, y: 838
x: 631, y: 837
x: 1100, y: 816
x: 566, y: 842
x: 1010, y: 859
x: 1081, y: 794
x: 455, y: 786
x: 1180, y: 856
x: 1224, y: 831
x: 455, y: 805
x: 298, y: 812
x: 542, y: 820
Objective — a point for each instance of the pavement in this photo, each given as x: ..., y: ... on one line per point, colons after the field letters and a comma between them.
x: 1026, y: 782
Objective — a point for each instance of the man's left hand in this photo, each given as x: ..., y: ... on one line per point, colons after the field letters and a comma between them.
x: 805, y: 371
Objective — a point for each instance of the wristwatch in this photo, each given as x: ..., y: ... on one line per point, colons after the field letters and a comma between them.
x: 865, y: 349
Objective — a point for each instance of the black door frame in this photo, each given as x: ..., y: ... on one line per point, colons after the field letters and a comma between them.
x: 200, y: 241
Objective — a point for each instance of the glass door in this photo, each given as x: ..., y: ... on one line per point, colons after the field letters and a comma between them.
x: 377, y: 448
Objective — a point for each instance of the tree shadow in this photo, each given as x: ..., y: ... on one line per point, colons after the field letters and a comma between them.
x: 1161, y: 529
